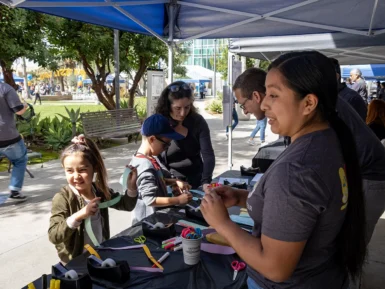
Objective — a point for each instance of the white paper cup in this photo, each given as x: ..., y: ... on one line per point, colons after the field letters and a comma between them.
x: 191, y: 250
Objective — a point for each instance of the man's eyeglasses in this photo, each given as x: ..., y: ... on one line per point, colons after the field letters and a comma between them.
x: 165, y: 144
x: 177, y: 87
x: 242, y: 106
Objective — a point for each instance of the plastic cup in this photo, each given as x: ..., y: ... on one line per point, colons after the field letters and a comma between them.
x: 191, y: 250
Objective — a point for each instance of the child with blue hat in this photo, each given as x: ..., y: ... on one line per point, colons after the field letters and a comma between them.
x: 157, y: 135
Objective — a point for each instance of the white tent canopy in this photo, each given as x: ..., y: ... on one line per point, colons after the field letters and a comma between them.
x: 347, y: 48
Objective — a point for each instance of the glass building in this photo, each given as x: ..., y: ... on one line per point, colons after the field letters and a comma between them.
x: 201, y: 51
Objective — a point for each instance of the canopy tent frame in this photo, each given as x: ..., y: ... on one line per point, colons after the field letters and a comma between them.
x: 253, y: 16
x: 171, y: 9
x: 234, y: 26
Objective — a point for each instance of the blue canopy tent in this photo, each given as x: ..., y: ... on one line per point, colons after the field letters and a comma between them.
x: 191, y: 19
x: 369, y: 72
x: 15, y: 78
x: 220, y: 18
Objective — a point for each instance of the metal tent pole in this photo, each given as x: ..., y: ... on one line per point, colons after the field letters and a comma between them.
x: 117, y: 67
x: 215, y: 68
x: 170, y: 43
x: 230, y: 84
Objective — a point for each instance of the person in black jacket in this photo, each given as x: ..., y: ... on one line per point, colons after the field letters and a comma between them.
x: 191, y: 159
x: 349, y: 95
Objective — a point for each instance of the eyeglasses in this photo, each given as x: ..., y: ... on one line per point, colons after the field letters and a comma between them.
x: 165, y: 144
x: 177, y: 87
x: 242, y: 106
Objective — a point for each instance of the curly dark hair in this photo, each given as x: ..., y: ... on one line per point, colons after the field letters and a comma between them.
x: 167, y: 97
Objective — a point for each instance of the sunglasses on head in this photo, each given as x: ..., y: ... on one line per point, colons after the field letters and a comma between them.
x: 177, y: 87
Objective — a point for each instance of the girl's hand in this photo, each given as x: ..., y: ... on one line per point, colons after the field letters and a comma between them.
x: 214, y: 210
x: 131, y: 179
x: 184, y: 198
x: 89, y: 210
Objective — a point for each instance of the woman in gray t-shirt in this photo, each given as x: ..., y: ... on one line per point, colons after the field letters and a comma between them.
x: 309, y: 222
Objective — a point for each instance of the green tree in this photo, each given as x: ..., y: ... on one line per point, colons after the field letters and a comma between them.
x: 21, y: 36
x: 222, y: 62
x: 90, y: 45
x: 180, y: 57
x: 141, y: 52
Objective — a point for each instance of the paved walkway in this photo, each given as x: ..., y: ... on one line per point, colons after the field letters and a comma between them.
x: 26, y: 253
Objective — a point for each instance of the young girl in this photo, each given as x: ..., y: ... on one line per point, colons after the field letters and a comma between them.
x: 80, y: 198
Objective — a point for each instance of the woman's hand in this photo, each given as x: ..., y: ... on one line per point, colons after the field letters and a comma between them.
x: 229, y: 195
x: 214, y: 210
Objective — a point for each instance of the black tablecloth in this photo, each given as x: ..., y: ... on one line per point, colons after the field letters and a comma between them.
x: 214, y: 271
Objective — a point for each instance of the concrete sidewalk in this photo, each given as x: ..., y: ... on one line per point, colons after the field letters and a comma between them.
x: 26, y: 253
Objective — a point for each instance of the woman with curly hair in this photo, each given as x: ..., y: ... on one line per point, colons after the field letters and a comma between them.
x: 191, y: 159
x: 376, y: 118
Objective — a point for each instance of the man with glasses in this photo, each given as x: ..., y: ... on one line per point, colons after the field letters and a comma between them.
x: 157, y: 135
x: 249, y: 90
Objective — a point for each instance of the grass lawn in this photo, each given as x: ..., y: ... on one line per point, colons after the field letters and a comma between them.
x: 52, y: 108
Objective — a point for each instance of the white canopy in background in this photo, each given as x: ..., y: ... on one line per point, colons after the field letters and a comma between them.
x: 347, y: 48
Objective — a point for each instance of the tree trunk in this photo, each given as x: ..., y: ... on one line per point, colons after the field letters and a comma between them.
x: 99, y: 83
x: 99, y: 93
x: 7, y: 73
x: 139, y: 74
x: 61, y: 79
x: 144, y: 86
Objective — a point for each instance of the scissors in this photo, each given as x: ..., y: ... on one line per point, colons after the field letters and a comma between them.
x: 141, y: 239
x: 237, y: 266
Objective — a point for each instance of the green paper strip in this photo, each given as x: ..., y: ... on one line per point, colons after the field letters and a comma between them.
x: 123, y: 178
x: 88, y: 225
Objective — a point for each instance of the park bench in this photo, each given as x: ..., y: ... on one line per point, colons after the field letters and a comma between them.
x: 111, y: 123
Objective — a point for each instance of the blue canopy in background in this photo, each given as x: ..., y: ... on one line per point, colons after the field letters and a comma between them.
x: 221, y: 18
x: 15, y: 78
x: 369, y: 72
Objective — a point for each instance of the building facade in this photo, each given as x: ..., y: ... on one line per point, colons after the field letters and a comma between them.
x: 201, y: 51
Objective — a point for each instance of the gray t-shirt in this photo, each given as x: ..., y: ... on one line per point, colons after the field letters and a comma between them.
x: 300, y: 197
x: 9, y: 104
x: 150, y: 184
x: 371, y: 153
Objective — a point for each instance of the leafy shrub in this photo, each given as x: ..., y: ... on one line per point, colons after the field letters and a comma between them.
x: 141, y: 106
x: 123, y: 103
x: 73, y: 117
x: 215, y: 106
x: 59, y: 133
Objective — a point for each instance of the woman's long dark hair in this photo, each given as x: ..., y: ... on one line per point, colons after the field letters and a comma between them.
x: 166, y: 98
x: 311, y: 72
